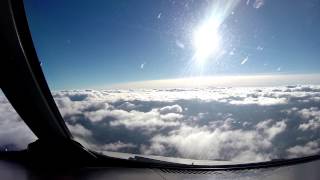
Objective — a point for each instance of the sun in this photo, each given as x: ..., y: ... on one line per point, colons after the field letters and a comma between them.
x: 206, y: 41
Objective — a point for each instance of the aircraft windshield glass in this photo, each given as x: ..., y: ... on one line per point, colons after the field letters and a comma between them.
x: 231, y: 80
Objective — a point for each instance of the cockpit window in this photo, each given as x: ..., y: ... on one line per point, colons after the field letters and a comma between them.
x: 14, y: 133
x: 232, y: 80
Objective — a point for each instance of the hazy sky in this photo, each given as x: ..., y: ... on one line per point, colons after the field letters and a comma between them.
x: 94, y: 44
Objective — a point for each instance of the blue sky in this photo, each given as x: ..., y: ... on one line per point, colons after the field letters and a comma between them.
x: 87, y: 45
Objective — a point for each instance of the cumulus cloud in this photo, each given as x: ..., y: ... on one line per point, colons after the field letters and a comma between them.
x: 145, y: 120
x: 14, y: 133
x: 312, y: 112
x: 171, y: 109
x: 311, y: 124
x: 220, y: 141
x: 312, y: 118
x: 116, y: 146
x: 238, y: 124
x: 203, y: 143
x: 127, y: 106
x: 271, y: 130
x: 78, y: 130
x: 263, y: 101
x: 311, y: 147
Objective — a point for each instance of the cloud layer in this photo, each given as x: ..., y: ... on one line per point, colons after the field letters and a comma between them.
x: 14, y: 133
x: 238, y: 124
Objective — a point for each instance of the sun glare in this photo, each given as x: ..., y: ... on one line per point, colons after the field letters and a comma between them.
x: 206, y: 41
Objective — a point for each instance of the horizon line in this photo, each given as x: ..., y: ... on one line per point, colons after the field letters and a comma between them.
x: 258, y: 80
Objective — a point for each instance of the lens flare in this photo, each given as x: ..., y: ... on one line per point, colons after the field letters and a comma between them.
x: 207, y: 37
x: 206, y: 41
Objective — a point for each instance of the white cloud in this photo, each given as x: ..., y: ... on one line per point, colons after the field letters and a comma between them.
x: 171, y: 109
x: 78, y: 130
x: 238, y: 123
x: 172, y: 127
x: 312, y: 112
x: 171, y: 116
x: 312, y: 116
x: 101, y: 114
x: 14, y: 133
x: 203, y: 143
x: 116, y: 146
x: 145, y: 120
x: 127, y: 106
x: 271, y: 130
x: 219, y: 141
x: 156, y: 118
x: 311, y: 124
x: 263, y: 101
x: 240, y: 96
x: 68, y: 102
x: 309, y: 148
